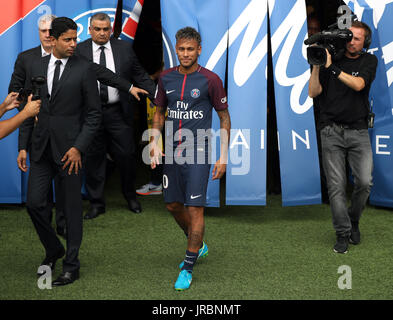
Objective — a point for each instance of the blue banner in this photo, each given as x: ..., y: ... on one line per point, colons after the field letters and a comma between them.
x: 382, y: 92
x: 247, y: 98
x: 11, y: 44
x: 378, y: 16
x: 211, y: 15
x: 299, y: 163
x: 19, y: 32
x: 237, y: 30
x: 204, y: 16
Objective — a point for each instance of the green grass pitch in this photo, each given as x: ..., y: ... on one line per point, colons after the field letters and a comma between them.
x: 255, y: 253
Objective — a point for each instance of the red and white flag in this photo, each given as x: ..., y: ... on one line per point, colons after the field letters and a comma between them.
x: 129, y: 25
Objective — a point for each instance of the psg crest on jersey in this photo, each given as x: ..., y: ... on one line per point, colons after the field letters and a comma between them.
x: 195, y: 93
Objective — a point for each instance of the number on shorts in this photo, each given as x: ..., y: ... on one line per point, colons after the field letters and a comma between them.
x: 165, y: 181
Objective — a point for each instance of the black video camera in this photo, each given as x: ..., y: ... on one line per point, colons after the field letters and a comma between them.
x: 334, y: 40
x: 36, y: 83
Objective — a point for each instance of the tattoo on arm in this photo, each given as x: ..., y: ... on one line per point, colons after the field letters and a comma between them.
x: 159, y: 118
x: 158, y: 123
x: 225, y: 120
x: 225, y: 127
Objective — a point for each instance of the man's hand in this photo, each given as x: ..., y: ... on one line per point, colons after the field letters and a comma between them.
x: 72, y: 158
x: 11, y: 102
x: 21, y: 160
x: 328, y: 59
x: 135, y: 91
x: 32, y: 108
x: 314, y: 86
x: 219, y: 169
x: 155, y: 154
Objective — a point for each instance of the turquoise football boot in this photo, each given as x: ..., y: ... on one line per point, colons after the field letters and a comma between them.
x: 183, y: 281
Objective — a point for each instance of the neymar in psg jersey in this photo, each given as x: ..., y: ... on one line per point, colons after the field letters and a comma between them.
x: 189, y: 93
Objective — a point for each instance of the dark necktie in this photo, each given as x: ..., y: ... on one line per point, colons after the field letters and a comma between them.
x: 56, y: 76
x: 103, y: 88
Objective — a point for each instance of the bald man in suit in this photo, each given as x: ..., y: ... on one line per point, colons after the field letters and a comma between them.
x: 115, y: 135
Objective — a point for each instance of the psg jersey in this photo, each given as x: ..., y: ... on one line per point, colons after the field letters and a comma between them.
x: 189, y: 99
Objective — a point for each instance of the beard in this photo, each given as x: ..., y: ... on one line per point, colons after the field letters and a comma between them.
x: 352, y: 53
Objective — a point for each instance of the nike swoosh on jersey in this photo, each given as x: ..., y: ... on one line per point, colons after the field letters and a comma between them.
x: 170, y: 91
x: 194, y: 197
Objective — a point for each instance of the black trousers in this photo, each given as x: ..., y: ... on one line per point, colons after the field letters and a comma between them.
x: 55, y: 200
x: 40, y: 182
x: 115, y: 137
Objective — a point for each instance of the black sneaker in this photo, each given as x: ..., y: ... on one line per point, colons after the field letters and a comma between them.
x: 341, y: 245
x: 354, y: 238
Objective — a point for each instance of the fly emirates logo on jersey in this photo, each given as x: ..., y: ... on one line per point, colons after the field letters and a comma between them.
x: 180, y: 111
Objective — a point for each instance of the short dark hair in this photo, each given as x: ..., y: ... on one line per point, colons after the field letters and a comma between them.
x: 362, y: 25
x: 188, y: 33
x: 100, y: 16
x: 61, y: 25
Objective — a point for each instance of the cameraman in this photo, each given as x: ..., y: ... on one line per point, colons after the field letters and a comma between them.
x: 343, y: 88
x: 30, y: 110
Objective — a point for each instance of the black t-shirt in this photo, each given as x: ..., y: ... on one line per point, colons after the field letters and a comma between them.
x: 341, y: 104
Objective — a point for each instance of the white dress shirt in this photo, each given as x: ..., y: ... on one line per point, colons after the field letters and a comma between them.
x: 51, y: 70
x: 43, y: 52
x: 113, y: 93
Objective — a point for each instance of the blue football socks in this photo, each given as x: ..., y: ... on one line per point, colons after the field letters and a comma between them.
x: 189, y: 261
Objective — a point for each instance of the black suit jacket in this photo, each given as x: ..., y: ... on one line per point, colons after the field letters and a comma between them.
x: 127, y: 66
x: 70, y: 117
x: 22, y: 68
x: 22, y: 72
x: 25, y: 59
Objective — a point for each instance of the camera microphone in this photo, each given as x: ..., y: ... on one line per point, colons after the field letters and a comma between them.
x: 37, y: 82
x: 313, y: 39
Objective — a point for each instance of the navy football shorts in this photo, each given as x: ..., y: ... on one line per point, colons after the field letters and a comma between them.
x: 186, y: 183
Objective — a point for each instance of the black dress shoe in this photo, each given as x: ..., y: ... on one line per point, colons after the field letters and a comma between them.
x: 61, y: 232
x: 94, y: 212
x: 134, y: 206
x: 66, y: 278
x: 51, y: 261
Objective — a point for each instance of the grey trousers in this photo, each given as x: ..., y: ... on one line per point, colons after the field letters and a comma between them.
x: 339, y: 144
